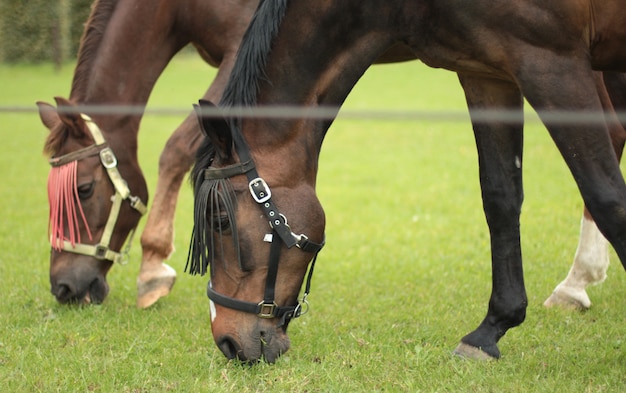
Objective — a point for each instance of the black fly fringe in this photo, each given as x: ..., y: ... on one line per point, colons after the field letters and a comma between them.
x: 214, y: 214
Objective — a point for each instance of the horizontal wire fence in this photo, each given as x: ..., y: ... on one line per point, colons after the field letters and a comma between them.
x: 568, y: 118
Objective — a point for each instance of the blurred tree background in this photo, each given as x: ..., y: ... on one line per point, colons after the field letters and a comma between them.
x: 34, y: 31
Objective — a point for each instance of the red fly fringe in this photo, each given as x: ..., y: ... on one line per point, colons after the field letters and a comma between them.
x: 64, y: 206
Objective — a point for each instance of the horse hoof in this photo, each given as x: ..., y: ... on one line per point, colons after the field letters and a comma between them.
x: 470, y: 352
x: 568, y: 298
x: 155, y: 285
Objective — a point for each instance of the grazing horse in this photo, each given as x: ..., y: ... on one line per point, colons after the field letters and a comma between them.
x: 257, y: 220
x: 125, y: 47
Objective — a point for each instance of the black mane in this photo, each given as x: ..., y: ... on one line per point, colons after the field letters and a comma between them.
x: 249, y: 69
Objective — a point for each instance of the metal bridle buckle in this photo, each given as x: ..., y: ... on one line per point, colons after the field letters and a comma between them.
x: 260, y: 190
x: 267, y: 310
x: 101, y: 251
x: 134, y: 202
x: 300, y: 239
x: 108, y: 158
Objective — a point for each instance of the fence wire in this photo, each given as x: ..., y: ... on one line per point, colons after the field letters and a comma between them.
x: 567, y: 118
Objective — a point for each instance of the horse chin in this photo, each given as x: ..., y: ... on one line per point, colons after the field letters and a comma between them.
x: 262, y: 345
x: 275, y: 347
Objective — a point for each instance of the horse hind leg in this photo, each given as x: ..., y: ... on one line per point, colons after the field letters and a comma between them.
x: 585, y: 146
x: 591, y: 260
x: 156, y: 278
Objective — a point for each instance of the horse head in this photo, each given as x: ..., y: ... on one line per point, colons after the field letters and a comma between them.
x: 251, y: 231
x: 89, y: 188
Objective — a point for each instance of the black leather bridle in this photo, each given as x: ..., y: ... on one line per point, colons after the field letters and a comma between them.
x: 281, y: 234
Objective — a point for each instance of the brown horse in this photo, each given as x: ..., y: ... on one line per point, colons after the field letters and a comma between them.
x: 258, y: 221
x: 125, y: 47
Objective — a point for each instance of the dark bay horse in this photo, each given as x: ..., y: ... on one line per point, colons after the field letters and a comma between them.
x: 125, y: 47
x: 258, y: 222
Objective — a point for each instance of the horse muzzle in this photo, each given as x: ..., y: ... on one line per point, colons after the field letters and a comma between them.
x: 69, y: 293
x: 261, y: 343
x: 78, y: 280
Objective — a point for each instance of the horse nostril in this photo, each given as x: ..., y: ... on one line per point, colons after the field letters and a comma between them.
x: 62, y: 292
x: 264, y: 337
x: 228, y: 347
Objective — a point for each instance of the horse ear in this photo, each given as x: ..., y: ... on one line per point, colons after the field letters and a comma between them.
x: 48, y: 115
x: 214, y: 127
x: 71, y: 118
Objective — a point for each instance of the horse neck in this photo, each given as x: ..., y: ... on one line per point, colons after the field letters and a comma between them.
x: 120, y: 60
x: 309, y: 67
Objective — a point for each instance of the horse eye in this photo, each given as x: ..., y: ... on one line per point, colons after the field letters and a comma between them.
x: 221, y: 224
x: 85, y: 191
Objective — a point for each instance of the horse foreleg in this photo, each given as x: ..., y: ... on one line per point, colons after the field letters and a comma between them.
x: 591, y: 260
x: 500, y: 165
x: 156, y: 278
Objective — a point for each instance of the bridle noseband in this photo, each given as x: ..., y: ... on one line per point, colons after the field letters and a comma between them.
x: 281, y: 234
x: 122, y: 192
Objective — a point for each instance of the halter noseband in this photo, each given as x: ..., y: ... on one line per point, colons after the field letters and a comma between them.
x: 262, y: 195
x: 122, y: 192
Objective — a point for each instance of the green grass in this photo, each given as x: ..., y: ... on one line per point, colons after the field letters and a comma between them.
x: 405, y: 273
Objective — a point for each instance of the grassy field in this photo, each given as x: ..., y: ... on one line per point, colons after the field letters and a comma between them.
x: 405, y: 273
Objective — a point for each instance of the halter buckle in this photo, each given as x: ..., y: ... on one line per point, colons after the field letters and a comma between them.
x: 101, y: 251
x: 108, y: 158
x: 266, y: 310
x: 260, y: 190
